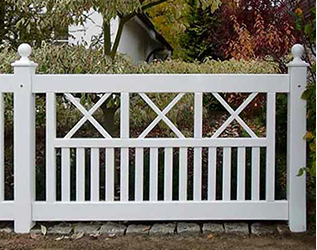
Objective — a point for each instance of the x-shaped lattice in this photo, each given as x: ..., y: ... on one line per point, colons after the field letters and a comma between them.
x: 87, y: 116
x: 161, y: 115
x: 235, y: 115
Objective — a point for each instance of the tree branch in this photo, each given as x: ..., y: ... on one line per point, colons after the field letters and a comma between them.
x: 150, y: 5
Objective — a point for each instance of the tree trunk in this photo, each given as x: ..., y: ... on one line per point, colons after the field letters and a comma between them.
x: 108, y: 120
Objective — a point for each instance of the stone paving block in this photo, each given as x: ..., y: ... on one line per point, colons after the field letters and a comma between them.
x: 237, y: 228
x: 263, y: 229
x: 86, y: 228
x: 60, y: 229
x: 213, y: 228
x: 163, y: 229
x: 138, y: 229
x: 113, y: 228
x: 188, y: 228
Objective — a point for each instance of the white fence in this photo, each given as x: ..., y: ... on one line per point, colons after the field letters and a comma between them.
x: 25, y: 210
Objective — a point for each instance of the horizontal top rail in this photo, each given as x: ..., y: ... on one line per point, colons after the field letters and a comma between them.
x: 161, y: 83
x: 8, y: 83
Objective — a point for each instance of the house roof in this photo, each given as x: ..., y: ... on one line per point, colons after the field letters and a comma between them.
x: 148, y: 23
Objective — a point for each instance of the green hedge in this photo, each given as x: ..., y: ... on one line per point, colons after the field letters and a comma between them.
x: 79, y: 60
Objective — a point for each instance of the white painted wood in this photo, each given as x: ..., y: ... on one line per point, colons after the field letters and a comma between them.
x: 198, y: 128
x: 241, y: 174
x: 95, y: 174
x: 226, y: 181
x: 161, y: 142
x: 235, y: 115
x: 161, y: 210
x: 139, y: 174
x: 24, y: 141
x: 8, y: 83
x: 93, y: 121
x: 7, y: 211
x: 212, y: 173
x: 161, y: 115
x: 87, y: 116
x: 255, y: 180
x: 80, y: 174
x: 270, y: 149
x: 124, y: 134
x: 50, y: 150
x: 153, y: 174
x: 65, y: 174
x: 2, y: 193
x: 168, y: 174
x: 110, y: 166
x: 183, y: 153
x: 296, y: 144
x: 159, y: 118
x: 168, y: 83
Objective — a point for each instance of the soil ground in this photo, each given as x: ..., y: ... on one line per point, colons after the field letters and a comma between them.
x: 292, y: 242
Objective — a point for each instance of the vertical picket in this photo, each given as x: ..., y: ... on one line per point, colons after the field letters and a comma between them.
x: 95, y: 177
x: 124, y: 132
x: 241, y: 174
x: 183, y: 174
x: 153, y: 174
x: 198, y: 121
x: 109, y: 174
x: 139, y: 174
x: 65, y: 174
x: 255, y: 181
x: 270, y: 150
x: 80, y: 174
x: 168, y: 174
x: 50, y: 150
x: 226, y: 184
x: 2, y: 194
x: 212, y: 168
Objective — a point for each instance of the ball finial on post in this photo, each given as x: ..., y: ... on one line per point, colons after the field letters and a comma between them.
x: 298, y: 52
x: 24, y: 51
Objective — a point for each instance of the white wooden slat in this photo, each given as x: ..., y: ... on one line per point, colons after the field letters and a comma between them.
x: 235, y: 115
x: 86, y: 117
x: 226, y: 183
x: 212, y: 171
x: 95, y: 174
x: 8, y: 83
x: 169, y: 83
x: 173, y: 210
x: 183, y: 152
x: 161, y: 142
x: 198, y: 121
x: 164, y: 112
x: 162, y: 116
x: 65, y: 174
x: 255, y: 180
x: 50, y: 150
x: 7, y: 211
x: 153, y: 174
x: 2, y: 193
x: 124, y: 134
x: 139, y: 152
x: 270, y: 150
x: 241, y: 174
x: 168, y: 174
x: 110, y: 174
x: 80, y: 174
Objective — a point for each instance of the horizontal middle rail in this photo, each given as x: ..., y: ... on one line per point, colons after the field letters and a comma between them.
x: 161, y: 83
x: 159, y: 142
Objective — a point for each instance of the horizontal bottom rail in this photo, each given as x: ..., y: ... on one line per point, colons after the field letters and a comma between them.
x: 6, y: 210
x: 141, y: 211
x: 160, y: 142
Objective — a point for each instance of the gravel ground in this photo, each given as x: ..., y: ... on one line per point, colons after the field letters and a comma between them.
x: 38, y: 242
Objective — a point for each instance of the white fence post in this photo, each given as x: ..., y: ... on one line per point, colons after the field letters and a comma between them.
x: 24, y: 141
x: 296, y: 144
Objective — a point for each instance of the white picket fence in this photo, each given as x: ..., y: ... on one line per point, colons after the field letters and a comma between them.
x: 25, y: 210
